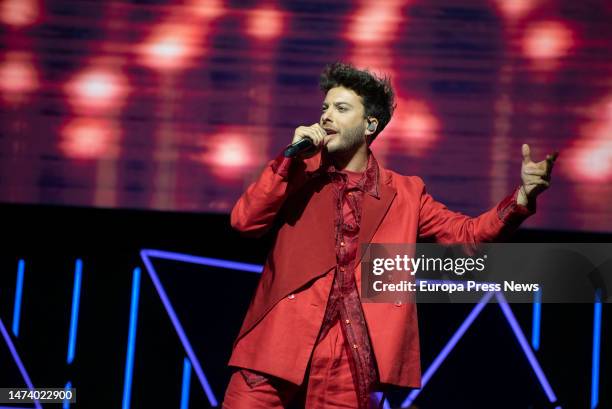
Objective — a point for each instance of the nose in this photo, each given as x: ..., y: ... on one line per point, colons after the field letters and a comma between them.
x: 326, y: 116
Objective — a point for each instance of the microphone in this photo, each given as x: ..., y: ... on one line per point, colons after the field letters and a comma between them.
x: 301, y: 146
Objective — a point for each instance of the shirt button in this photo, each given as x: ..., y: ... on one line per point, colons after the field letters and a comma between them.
x: 355, y: 346
x: 350, y: 193
x: 398, y: 303
x: 291, y: 296
x: 347, y: 322
x: 342, y: 244
x: 342, y: 269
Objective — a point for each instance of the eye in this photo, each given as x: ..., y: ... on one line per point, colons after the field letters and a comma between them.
x: 342, y: 108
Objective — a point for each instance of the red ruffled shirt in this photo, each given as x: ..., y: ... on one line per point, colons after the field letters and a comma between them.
x: 344, y: 303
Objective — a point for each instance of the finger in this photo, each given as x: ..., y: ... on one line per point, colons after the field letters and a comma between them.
x: 554, y: 156
x: 319, y: 129
x: 313, y: 135
x: 546, y: 164
x: 544, y: 183
x: 535, y: 171
x: 327, y: 139
x: 298, y: 134
x: 305, y: 132
x: 536, y: 188
x: 526, y: 153
x: 550, y: 160
x: 535, y: 179
x: 538, y: 182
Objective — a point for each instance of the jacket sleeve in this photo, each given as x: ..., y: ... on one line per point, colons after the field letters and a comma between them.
x: 447, y: 227
x: 255, y: 211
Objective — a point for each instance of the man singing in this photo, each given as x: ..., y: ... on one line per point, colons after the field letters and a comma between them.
x: 307, y: 340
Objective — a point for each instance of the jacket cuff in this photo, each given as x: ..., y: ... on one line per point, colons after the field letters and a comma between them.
x: 512, y: 213
x: 281, y: 165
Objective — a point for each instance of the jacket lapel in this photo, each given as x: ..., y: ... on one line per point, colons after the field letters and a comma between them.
x: 320, y: 245
x: 373, y: 212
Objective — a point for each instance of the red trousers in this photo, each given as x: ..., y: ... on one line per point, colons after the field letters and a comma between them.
x: 329, y: 383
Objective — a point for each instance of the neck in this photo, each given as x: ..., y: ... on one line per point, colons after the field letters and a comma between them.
x: 354, y: 162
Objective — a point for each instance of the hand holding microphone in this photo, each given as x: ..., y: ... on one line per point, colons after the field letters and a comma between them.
x: 307, y: 140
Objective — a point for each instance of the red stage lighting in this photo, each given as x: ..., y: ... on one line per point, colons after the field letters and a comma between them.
x: 413, y: 130
x: 89, y: 138
x: 229, y: 153
x: 545, y: 42
x: 589, y: 161
x: 589, y: 158
x: 265, y: 23
x: 170, y: 47
x: 374, y: 57
x: 374, y: 22
x: 415, y: 125
x: 206, y: 9
x: 19, y: 13
x: 515, y: 9
x: 17, y: 76
x: 97, y: 90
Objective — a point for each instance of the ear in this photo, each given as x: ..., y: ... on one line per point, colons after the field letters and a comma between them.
x: 371, y: 126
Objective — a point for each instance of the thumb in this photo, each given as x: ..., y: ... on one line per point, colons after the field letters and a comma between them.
x: 526, y: 153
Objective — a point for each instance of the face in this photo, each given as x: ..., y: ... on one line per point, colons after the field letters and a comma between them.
x: 343, y: 117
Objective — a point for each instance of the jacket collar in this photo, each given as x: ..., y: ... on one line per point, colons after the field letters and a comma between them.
x: 369, y: 182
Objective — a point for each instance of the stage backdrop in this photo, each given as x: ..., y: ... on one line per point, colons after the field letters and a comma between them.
x: 177, y: 105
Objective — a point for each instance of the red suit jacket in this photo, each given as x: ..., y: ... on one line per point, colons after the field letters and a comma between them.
x: 290, y: 198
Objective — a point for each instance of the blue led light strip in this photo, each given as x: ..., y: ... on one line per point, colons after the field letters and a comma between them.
x: 537, y: 319
x: 448, y: 348
x: 145, y: 254
x: 129, y: 359
x: 18, y: 295
x: 66, y: 404
x: 17, y: 359
x: 74, y: 314
x: 503, y: 304
x: 596, y: 350
x: 379, y: 396
x: 206, y: 261
x: 186, y: 383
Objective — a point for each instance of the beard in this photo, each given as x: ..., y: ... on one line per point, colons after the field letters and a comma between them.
x: 346, y: 142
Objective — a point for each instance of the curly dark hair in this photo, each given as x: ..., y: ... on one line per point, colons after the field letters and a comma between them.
x: 378, y: 96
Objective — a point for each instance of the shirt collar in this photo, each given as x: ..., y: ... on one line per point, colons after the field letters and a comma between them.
x: 368, y: 182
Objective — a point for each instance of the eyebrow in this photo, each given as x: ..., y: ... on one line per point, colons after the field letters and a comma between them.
x: 337, y: 103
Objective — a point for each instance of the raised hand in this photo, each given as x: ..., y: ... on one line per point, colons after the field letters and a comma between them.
x: 535, y: 175
x: 316, y: 133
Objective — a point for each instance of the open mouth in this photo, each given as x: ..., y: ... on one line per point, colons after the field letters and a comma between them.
x: 331, y: 131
